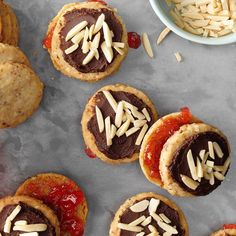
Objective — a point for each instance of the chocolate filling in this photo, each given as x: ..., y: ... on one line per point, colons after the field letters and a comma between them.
x: 196, y: 144
x: 76, y: 58
x: 122, y: 147
x: 129, y: 216
x: 30, y: 214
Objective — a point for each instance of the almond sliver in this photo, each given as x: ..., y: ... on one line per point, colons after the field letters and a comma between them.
x: 75, y: 30
x: 107, y: 34
x: 108, y: 130
x: 107, y: 51
x: 99, y: 119
x: 111, y: 100
x: 219, y: 176
x: 167, y: 228
x: 156, y: 217
x: 141, y: 135
x: 163, y: 35
x: 140, y: 206
x: 96, y: 41
x: 137, y: 221
x: 130, y: 228
x: 154, y: 203
x: 113, y: 131
x: 211, y: 150
x: 91, y: 29
x: 78, y: 37
x: 139, y: 123
x: 147, y: 45
x: 131, y: 131
x: 165, y: 218
x: 7, y: 227
x: 119, y: 114
x: 189, y: 182
x: 147, y: 221
x: 21, y: 222
x: 120, y: 51
x: 99, y: 23
x: 89, y: 57
x: 71, y: 49
x: 146, y: 114
x: 118, y: 44
x: 121, y: 131
x: 218, y: 150
x: 191, y: 165
x: 31, y: 228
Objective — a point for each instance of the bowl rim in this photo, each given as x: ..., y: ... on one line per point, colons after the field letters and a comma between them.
x: 186, y: 35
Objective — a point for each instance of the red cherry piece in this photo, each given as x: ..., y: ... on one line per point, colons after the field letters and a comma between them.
x: 47, y: 42
x: 89, y: 153
x: 134, y: 40
x: 229, y: 226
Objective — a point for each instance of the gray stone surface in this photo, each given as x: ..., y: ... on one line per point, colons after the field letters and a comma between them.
x: 51, y: 140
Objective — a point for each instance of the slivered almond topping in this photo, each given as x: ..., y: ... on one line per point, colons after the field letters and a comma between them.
x: 113, y: 131
x: 156, y: 217
x: 140, y: 206
x: 121, y: 131
x: 118, y: 45
x: 162, y: 35
x: 130, y: 106
x: 202, y: 154
x: 167, y: 228
x: 131, y: 131
x: 138, y: 221
x: 218, y: 150
x: 120, y: 51
x: 141, y: 135
x: 130, y: 228
x: 211, y: 150
x: 178, y: 57
x: 71, y: 49
x: 152, y: 228
x: 21, y: 222
x: 111, y: 100
x: 108, y: 130
x: 29, y: 234
x: 129, y: 115
x: 107, y: 35
x: 137, y: 114
x: 212, y: 179
x: 154, y: 203
x: 219, y: 176
x: 210, y: 164
x: 7, y: 227
x: 199, y: 169
x: 78, y: 37
x: 96, y: 41
x: 226, y: 165
x: 91, y: 29
x: 139, y: 123
x: 89, y: 57
x: 85, y: 45
x: 14, y: 213
x: 99, y: 23
x: 191, y: 165
x: 189, y: 182
x: 96, y: 54
x: 31, y: 228
x: 75, y: 30
x: 140, y: 234
x: 146, y: 114
x: 119, y: 114
x: 147, y: 221
x: 107, y: 51
x: 147, y: 45
x: 165, y: 218
x: 218, y: 168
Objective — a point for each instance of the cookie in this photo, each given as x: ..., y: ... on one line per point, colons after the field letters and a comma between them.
x: 9, y: 30
x: 87, y: 41
x: 115, y: 121
x: 20, y: 93
x: 63, y: 195
x: 185, y: 156
x: 149, y: 214
x: 9, y: 53
x: 227, y: 230
x: 22, y: 214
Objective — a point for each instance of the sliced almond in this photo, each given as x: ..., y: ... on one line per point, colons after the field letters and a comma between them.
x: 119, y: 114
x: 137, y: 114
x: 121, y: 131
x: 89, y: 57
x: 156, y: 217
x: 141, y: 135
x: 131, y: 131
x: 76, y: 29
x: 96, y: 54
x: 107, y: 34
x: 14, y: 213
x: 120, y: 51
x: 118, y: 44
x: 193, y: 15
x: 21, y: 222
x: 152, y: 228
x: 129, y: 115
x: 212, y: 179
x: 167, y: 228
x: 139, y: 123
x: 85, y: 45
x: 78, y: 37
x: 91, y: 29
x: 226, y: 165
x: 96, y: 41
x: 107, y: 51
x: 178, y: 57
x: 140, y: 206
x: 218, y: 168
x: 189, y: 182
x: 210, y: 164
x: 163, y: 35
x: 130, y: 106
x: 202, y: 153
x: 29, y: 234
x: 199, y: 169
x: 146, y: 114
x: 165, y: 218
x: 218, y: 150
x: 137, y: 221
x: 147, y: 221
x: 71, y: 49
x: 113, y: 131
x: 211, y: 150
x: 154, y: 203
x: 191, y: 165
x: 99, y: 23
x: 111, y: 100
x: 108, y: 130
x: 7, y: 226
x: 140, y: 234
x: 31, y: 228
x: 219, y: 176
x: 130, y: 228
x: 147, y: 45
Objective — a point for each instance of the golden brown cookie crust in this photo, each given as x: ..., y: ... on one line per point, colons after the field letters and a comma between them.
x: 88, y: 113
x: 20, y: 91
x: 115, y: 231
x: 82, y: 210
x: 152, y: 130
x: 9, y: 33
x: 225, y: 232
x: 9, y: 53
x: 57, y: 54
x: 34, y: 203
x: 171, y: 147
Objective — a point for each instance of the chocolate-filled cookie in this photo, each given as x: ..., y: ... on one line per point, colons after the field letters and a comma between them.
x: 23, y: 215
x: 149, y: 214
x: 115, y: 121
x: 185, y: 156
x: 87, y: 41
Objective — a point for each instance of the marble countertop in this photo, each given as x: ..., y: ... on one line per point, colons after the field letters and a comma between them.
x: 52, y: 141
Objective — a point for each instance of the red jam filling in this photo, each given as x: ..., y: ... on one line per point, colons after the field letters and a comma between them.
x: 134, y: 40
x: 64, y: 199
x: 229, y: 226
x: 89, y: 153
x: 159, y: 137
x: 100, y: 1
x: 47, y: 42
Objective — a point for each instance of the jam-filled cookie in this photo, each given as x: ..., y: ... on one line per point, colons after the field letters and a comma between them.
x: 9, y: 30
x: 87, y: 41
x: 149, y: 214
x: 185, y: 156
x: 227, y: 230
x: 20, y: 93
x: 9, y: 53
x: 63, y: 195
x: 115, y: 121
x: 22, y: 215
